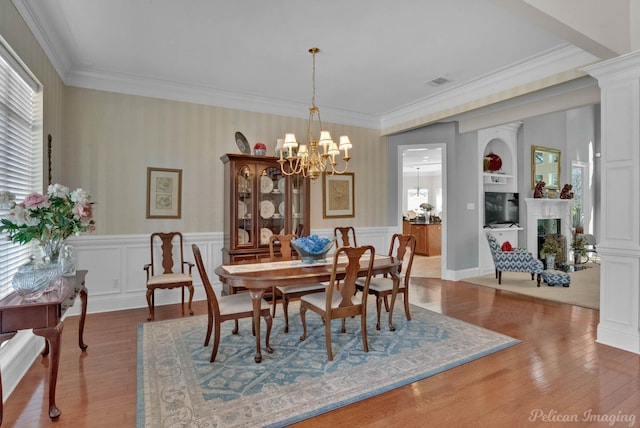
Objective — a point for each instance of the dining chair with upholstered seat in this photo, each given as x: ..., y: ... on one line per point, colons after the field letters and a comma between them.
x: 231, y: 307
x: 285, y: 294
x: 162, y: 272
x: 339, y: 299
x: 345, y: 236
x: 402, y: 248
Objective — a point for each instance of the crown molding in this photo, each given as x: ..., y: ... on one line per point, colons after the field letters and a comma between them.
x: 553, y: 61
x: 476, y: 93
x: 185, y: 92
x: 60, y: 61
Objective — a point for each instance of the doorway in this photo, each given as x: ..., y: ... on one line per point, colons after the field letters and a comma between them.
x: 422, y: 175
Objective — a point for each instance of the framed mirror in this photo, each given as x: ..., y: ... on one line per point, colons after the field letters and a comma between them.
x: 545, y: 166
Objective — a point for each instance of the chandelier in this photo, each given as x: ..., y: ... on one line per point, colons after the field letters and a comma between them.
x: 307, y: 159
x: 417, y: 193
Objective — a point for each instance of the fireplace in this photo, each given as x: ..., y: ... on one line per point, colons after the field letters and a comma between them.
x: 547, y: 226
x: 547, y: 216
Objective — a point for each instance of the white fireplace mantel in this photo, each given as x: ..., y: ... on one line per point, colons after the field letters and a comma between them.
x: 542, y: 209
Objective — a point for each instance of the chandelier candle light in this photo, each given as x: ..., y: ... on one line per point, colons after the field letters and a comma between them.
x: 308, y: 161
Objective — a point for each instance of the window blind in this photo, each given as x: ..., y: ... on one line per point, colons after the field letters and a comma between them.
x: 20, y: 151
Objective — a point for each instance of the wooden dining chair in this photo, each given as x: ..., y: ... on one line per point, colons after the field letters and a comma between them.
x: 231, y: 307
x: 345, y: 236
x: 403, y: 248
x: 162, y: 272
x: 286, y: 293
x: 338, y: 300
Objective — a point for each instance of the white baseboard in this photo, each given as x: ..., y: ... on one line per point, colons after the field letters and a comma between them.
x: 16, y: 356
x: 628, y: 341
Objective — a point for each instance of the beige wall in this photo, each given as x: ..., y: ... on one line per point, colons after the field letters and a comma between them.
x: 110, y: 139
x: 105, y: 141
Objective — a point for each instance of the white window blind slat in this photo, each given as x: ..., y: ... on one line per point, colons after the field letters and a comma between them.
x: 20, y: 163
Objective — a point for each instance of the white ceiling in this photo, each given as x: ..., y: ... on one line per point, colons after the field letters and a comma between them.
x: 376, y: 55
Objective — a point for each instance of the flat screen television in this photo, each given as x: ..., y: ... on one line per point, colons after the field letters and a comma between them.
x: 501, y: 208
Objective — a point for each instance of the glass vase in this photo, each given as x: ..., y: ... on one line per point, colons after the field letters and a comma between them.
x: 34, y: 278
x: 50, y: 250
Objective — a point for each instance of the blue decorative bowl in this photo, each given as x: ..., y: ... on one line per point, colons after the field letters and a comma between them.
x: 32, y: 279
x: 312, y: 255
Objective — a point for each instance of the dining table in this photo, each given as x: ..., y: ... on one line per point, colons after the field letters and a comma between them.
x: 256, y: 277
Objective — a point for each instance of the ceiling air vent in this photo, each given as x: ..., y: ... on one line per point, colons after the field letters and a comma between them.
x: 439, y: 81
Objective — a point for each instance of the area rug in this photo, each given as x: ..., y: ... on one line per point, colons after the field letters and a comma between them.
x: 177, y: 386
x: 584, y: 289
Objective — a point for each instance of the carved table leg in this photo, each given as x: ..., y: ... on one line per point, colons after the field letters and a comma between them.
x: 52, y: 335
x: 83, y: 314
x: 3, y: 337
x: 256, y: 299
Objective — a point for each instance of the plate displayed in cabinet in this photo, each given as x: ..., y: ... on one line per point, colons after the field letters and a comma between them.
x: 243, y: 185
x: 267, y: 209
x: 281, y: 185
x: 243, y: 236
x: 242, y: 209
x: 281, y: 208
x: 266, y: 184
x: 265, y: 234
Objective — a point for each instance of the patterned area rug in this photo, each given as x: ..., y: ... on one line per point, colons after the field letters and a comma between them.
x: 177, y: 386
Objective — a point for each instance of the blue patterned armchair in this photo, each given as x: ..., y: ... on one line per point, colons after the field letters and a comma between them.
x: 518, y: 260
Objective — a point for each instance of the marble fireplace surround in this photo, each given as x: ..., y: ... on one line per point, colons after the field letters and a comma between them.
x: 543, y: 208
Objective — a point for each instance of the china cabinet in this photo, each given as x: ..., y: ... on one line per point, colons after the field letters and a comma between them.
x: 260, y: 201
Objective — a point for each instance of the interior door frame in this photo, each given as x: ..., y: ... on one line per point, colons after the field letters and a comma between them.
x: 400, y: 178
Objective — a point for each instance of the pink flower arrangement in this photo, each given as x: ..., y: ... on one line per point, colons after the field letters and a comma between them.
x: 50, y: 218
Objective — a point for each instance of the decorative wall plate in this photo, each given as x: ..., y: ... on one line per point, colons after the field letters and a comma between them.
x: 243, y: 236
x: 281, y: 208
x: 242, y: 143
x: 281, y: 185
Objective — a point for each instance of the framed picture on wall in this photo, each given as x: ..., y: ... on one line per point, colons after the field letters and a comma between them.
x: 164, y: 193
x: 338, y: 195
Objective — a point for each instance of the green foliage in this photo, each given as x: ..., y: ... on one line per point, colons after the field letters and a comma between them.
x: 550, y: 247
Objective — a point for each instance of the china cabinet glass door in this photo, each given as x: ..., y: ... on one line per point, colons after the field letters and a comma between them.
x: 272, y: 205
x: 244, y: 190
x: 298, y: 204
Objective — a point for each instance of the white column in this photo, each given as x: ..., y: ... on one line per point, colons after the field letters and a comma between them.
x: 619, y: 247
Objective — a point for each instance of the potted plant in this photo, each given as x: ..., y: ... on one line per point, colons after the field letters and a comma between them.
x: 578, y: 247
x: 550, y: 249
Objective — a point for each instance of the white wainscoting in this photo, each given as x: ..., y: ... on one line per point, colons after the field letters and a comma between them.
x: 116, y: 281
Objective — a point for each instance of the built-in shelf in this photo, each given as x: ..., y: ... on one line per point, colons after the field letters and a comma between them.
x: 490, y: 178
x: 501, y: 228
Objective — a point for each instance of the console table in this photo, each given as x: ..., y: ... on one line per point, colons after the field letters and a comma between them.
x: 44, y: 317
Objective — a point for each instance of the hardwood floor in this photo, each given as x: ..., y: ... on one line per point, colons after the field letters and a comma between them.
x: 558, y: 368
